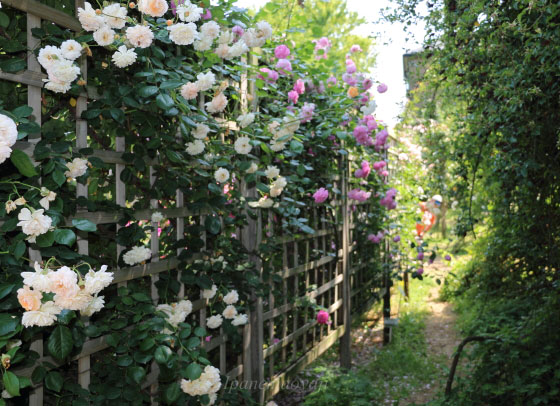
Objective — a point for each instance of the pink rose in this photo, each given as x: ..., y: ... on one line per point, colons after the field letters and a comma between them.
x: 322, y: 317
x: 293, y: 96
x: 281, y: 52
x: 382, y: 88
x: 299, y: 86
x: 321, y: 195
x: 284, y: 66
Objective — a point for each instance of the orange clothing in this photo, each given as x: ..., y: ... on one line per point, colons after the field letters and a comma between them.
x: 428, y: 220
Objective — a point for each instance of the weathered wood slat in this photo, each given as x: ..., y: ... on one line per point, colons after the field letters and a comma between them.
x: 305, y: 267
x: 280, y: 381
x: 107, y: 217
x: 109, y: 157
x: 45, y: 12
x: 277, y: 311
x: 26, y: 77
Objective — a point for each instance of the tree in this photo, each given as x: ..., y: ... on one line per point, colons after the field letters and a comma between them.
x: 304, y: 21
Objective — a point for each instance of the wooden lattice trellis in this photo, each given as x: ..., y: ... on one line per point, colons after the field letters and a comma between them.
x: 281, y: 338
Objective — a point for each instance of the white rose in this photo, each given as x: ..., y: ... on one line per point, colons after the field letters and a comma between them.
x: 203, y: 44
x: 96, y: 304
x: 245, y: 120
x: 95, y: 282
x: 205, y: 81
x: 124, y: 57
x: 89, y: 19
x: 189, y: 12
x: 243, y: 146
x: 230, y: 312
x: 209, y: 293
x: 71, y: 49
x: 214, y: 321
x: 8, y: 131
x: 115, y: 16
x: 221, y: 175
x: 76, y: 168
x: 272, y: 172
x: 253, y: 168
x: 33, y: 223
x: 210, y: 29
x: 137, y: 255
x: 238, y: 49
x: 183, y: 34
x: 104, y: 36
x: 196, y: 147
x: 231, y: 298
x: 240, y: 320
x: 201, y: 131
x: 140, y: 36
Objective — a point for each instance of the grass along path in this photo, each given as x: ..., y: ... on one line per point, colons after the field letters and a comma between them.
x: 412, y: 370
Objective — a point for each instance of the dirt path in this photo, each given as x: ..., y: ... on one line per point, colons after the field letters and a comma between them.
x: 367, y: 339
x: 441, y: 336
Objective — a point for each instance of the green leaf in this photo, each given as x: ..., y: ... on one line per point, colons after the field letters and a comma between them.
x: 117, y: 114
x: 148, y: 91
x: 64, y: 236
x: 60, y: 342
x: 4, y: 20
x: 163, y: 354
x: 193, y: 342
x: 172, y: 393
x: 45, y: 240
x: 193, y: 371
x: 137, y: 374
x: 58, y: 177
x: 171, y: 84
x: 8, y: 324
x: 38, y: 374
x: 22, y: 111
x: 164, y: 101
x: 200, y: 331
x: 11, y: 383
x: 146, y: 344
x: 124, y: 361
x: 13, y: 65
x: 19, y: 250
x: 23, y: 163
x: 54, y: 381
x: 212, y: 224
x: 296, y: 146
x: 84, y: 225
x: 173, y: 156
x: 5, y: 290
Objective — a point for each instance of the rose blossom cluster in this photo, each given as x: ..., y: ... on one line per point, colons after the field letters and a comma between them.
x: 113, y: 28
x: 207, y: 384
x: 175, y: 312
x: 8, y: 136
x: 359, y: 195
x: 69, y: 292
x: 389, y: 199
x: 283, y: 131
x: 229, y: 313
x: 364, y: 170
x: 59, y: 64
x: 376, y: 238
x: 379, y: 167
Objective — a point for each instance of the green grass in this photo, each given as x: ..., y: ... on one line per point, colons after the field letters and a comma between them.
x: 394, y: 371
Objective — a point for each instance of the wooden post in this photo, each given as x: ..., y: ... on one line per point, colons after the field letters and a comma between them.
x: 346, y: 340
x: 251, y: 237
x: 34, y: 101
x: 386, y: 298
x: 405, y: 281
